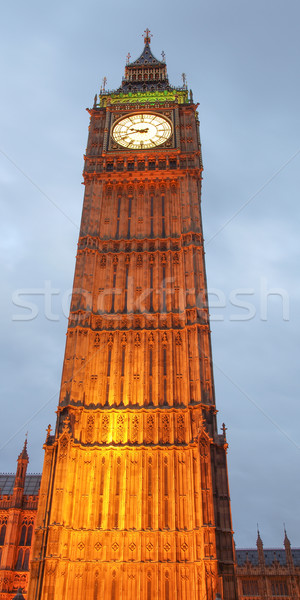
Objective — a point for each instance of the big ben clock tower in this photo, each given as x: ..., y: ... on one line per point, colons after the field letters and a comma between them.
x: 134, y: 500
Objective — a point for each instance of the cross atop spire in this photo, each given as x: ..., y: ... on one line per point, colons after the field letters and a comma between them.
x: 224, y: 429
x: 147, y: 37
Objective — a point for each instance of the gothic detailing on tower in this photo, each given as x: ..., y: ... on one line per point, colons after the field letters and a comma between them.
x: 261, y: 573
x: 134, y: 499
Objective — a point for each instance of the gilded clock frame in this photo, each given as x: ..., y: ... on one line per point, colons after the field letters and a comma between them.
x: 115, y: 116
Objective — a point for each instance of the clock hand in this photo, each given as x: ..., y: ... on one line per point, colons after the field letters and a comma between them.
x: 132, y: 131
x: 140, y: 130
x: 122, y: 137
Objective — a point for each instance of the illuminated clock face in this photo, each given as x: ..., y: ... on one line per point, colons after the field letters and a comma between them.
x: 142, y: 130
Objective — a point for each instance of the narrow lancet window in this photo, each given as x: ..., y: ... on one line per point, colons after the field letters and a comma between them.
x: 164, y: 306
x: 151, y: 288
x: 163, y: 229
x: 118, y: 217
x: 151, y: 216
x: 126, y: 289
x: 114, y: 290
x: 129, y: 216
x: 109, y: 362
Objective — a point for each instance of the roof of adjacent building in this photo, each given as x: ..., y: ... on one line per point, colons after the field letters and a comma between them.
x: 271, y: 555
x: 31, y: 488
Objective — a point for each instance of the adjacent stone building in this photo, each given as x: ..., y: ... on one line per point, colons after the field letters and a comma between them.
x: 18, y: 505
x: 268, y: 574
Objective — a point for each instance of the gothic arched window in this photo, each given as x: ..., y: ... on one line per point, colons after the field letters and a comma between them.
x: 2, y: 534
x: 19, y: 560
x: 29, y: 536
x: 23, y: 535
x: 26, y: 560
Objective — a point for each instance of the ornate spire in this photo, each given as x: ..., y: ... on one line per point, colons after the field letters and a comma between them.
x: 146, y: 72
x: 286, y: 539
x: 260, y: 548
x: 147, y: 36
x: 288, y: 550
x: 24, y: 454
x: 19, y: 483
x: 259, y: 540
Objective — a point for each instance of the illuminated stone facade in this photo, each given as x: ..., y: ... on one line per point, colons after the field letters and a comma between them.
x: 134, y: 499
x: 262, y: 574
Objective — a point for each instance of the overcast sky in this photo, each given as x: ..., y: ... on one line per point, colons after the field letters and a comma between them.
x: 242, y: 62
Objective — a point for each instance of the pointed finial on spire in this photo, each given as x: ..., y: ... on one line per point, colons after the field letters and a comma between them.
x: 183, y: 75
x: 259, y: 540
x: 24, y: 453
x: 128, y: 57
x: 257, y: 530
x: 49, y: 429
x: 147, y: 36
x: 286, y: 539
x: 163, y: 55
x: 22, y: 463
x: 260, y: 548
x: 102, y: 89
x: 288, y: 549
x: 224, y: 429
